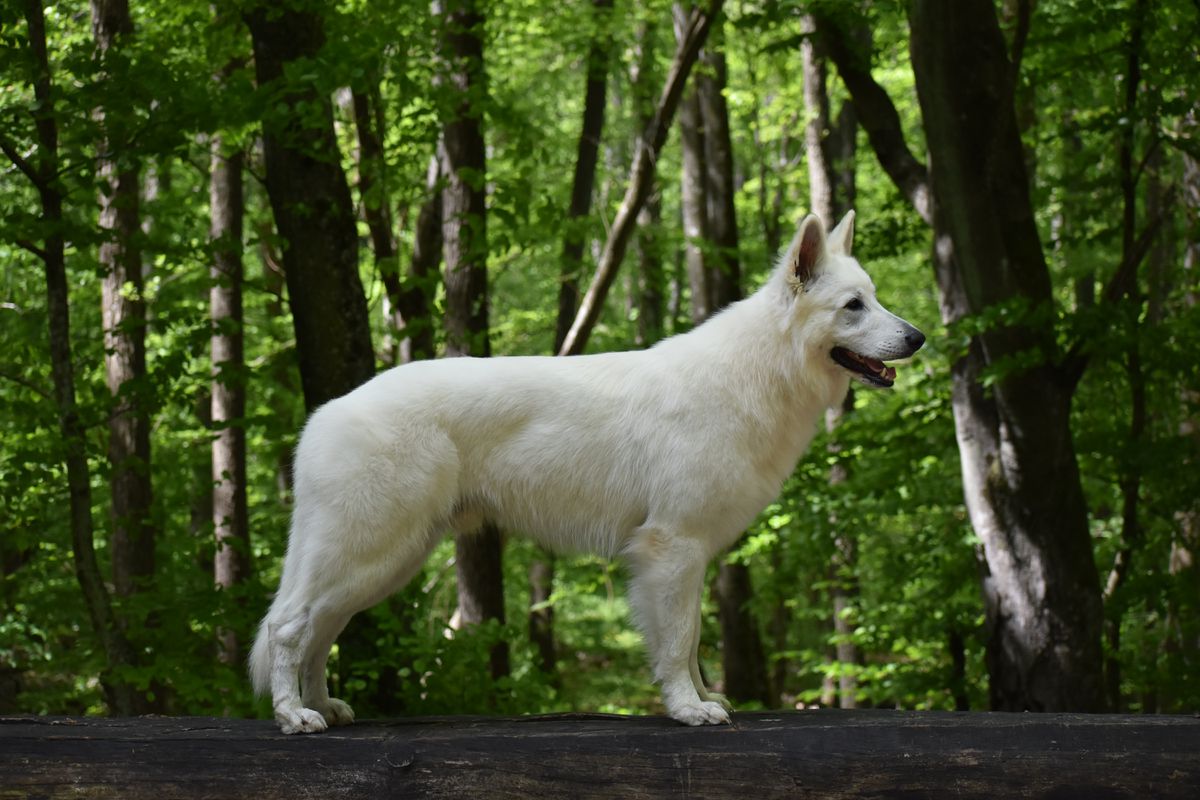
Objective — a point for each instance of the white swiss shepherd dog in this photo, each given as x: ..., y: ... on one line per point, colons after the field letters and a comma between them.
x: 661, y: 457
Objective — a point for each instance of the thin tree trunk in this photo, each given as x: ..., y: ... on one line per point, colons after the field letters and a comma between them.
x: 651, y: 280
x: 541, y: 570
x: 586, y: 157
x: 377, y: 211
x: 313, y: 210
x: 416, y: 297
x: 876, y: 113
x: 826, y: 183
x: 121, y: 697
x: 314, y: 215
x: 816, y: 126
x: 478, y: 560
x: 651, y: 286
x: 124, y: 324
x: 231, y: 562
x: 1020, y: 475
x: 1182, y: 640
x: 693, y: 203
x: 743, y: 658
x: 641, y: 176
x: 1130, y: 478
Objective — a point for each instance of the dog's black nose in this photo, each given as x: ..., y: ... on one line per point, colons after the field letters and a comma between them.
x: 914, y: 338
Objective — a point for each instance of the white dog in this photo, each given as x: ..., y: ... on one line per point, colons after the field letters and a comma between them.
x: 662, y: 456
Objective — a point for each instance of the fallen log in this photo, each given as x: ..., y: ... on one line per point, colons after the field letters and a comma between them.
x: 825, y: 753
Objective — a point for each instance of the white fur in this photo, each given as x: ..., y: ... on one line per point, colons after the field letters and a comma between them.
x: 662, y: 456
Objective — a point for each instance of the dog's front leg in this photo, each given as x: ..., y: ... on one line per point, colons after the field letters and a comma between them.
x: 667, y: 581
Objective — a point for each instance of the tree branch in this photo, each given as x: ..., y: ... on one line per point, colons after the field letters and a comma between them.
x: 1020, y: 36
x: 1120, y: 284
x: 877, y: 115
x: 25, y: 244
x: 20, y: 163
x: 641, y: 175
x: 40, y: 392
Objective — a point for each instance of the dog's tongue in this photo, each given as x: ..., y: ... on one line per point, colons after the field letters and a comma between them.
x: 880, y: 369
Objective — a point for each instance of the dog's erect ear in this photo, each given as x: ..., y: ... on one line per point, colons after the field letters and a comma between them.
x: 807, y: 250
x: 841, y: 238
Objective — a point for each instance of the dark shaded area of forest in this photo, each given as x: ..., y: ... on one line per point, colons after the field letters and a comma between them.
x: 218, y: 216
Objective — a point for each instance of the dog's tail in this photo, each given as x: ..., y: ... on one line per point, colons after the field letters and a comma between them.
x: 260, y: 660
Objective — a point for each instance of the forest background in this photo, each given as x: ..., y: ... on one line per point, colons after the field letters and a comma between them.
x: 216, y: 217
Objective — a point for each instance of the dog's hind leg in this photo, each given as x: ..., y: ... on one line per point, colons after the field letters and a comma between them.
x: 368, y: 508
x: 328, y: 623
x: 667, y: 580
x: 314, y: 691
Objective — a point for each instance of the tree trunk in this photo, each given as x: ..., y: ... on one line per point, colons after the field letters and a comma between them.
x: 124, y: 323
x: 1020, y: 475
x: 416, y: 297
x: 314, y: 215
x: 377, y: 211
x: 651, y: 280
x: 464, y: 246
x: 693, y: 203
x: 817, y: 126
x: 743, y: 658
x: 827, y: 184
x: 231, y: 562
x: 541, y: 571
x: 1183, y: 622
x: 1130, y: 477
x: 313, y: 210
x: 122, y: 698
x: 584, y: 180
x: 641, y: 178
x: 876, y: 113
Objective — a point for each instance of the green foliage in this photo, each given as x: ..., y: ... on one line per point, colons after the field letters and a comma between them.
x: 912, y: 578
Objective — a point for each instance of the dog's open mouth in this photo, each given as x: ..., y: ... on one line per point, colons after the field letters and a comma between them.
x: 868, y: 370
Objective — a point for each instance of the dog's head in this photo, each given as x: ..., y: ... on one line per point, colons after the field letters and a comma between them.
x: 831, y: 307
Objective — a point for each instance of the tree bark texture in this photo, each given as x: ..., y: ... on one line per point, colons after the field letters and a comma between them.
x: 693, y: 206
x: 821, y: 177
x: 231, y: 562
x: 693, y: 203
x: 1020, y: 475
x: 43, y: 173
x: 124, y: 322
x: 464, y: 170
x: 641, y: 177
x: 312, y: 206
x: 819, y: 753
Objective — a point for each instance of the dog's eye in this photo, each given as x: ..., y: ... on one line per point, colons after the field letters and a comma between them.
x: 854, y: 305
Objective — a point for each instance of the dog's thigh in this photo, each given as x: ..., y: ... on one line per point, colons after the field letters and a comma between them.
x: 363, y: 526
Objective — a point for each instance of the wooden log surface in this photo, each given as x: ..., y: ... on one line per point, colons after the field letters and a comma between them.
x: 826, y: 753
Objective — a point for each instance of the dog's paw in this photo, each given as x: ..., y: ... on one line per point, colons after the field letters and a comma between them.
x: 304, y: 720
x: 719, y: 699
x: 337, y: 712
x: 704, y: 712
